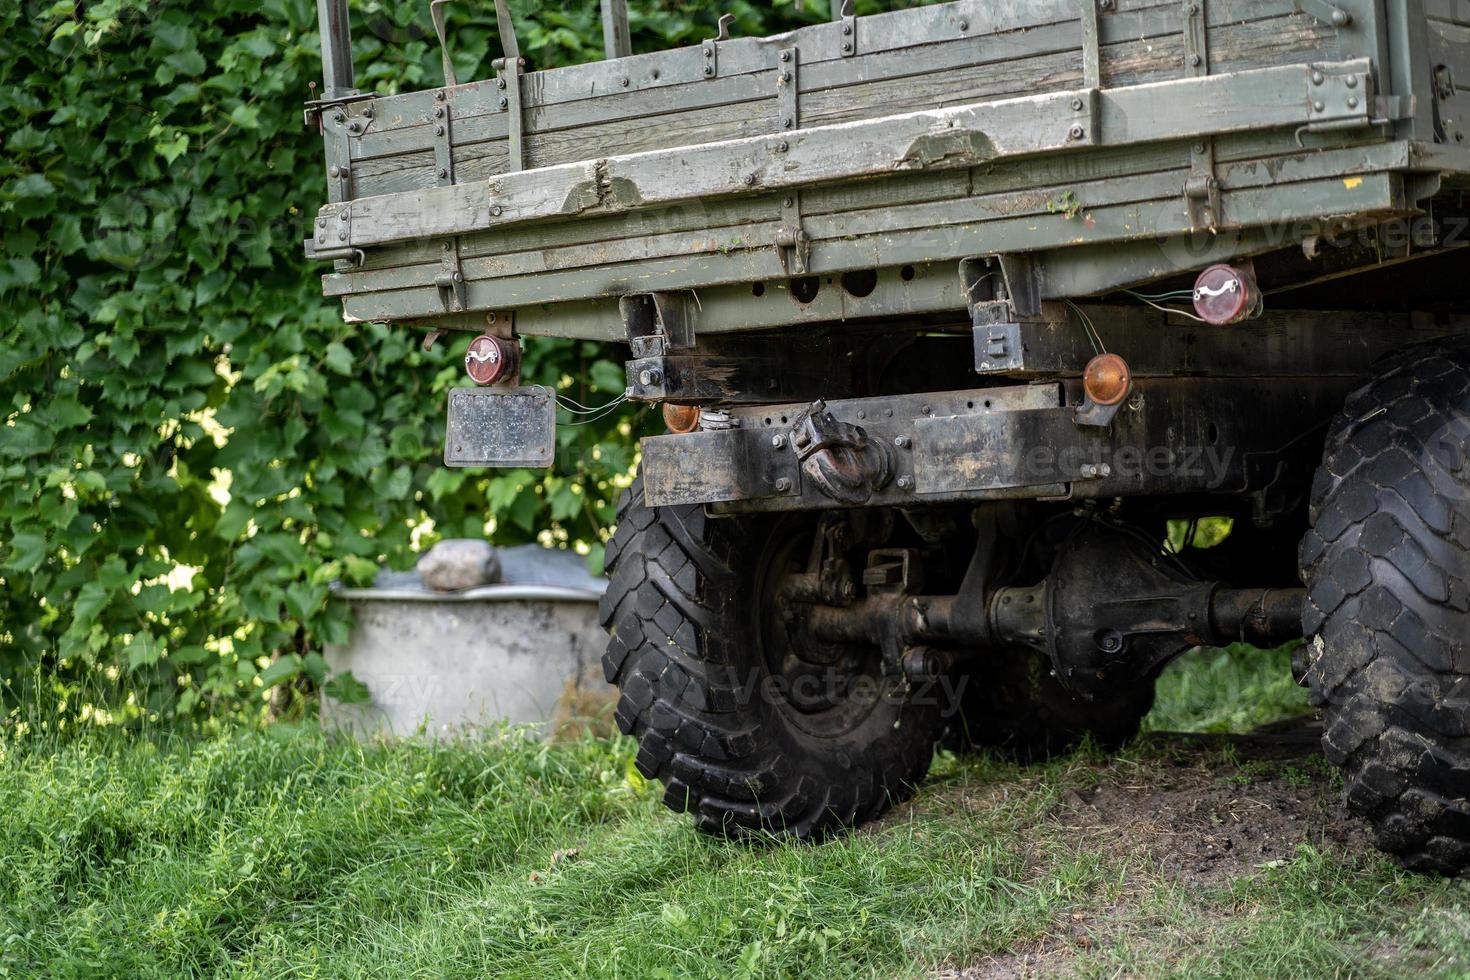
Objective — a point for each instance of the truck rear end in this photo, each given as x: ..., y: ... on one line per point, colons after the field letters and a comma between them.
x: 959, y: 315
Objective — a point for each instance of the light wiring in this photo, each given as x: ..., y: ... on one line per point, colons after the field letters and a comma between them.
x: 1095, y: 338
x: 1165, y: 309
x: 590, y: 413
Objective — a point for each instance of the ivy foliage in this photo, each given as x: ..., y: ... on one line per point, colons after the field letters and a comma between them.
x: 193, y: 445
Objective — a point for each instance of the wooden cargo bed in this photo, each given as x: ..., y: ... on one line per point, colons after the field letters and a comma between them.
x: 1082, y: 132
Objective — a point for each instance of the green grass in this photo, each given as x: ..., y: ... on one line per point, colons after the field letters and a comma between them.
x: 286, y: 853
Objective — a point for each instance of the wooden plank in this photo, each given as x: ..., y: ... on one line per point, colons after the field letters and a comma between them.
x: 861, y: 219
x: 939, y: 139
x: 1375, y: 194
x: 389, y: 160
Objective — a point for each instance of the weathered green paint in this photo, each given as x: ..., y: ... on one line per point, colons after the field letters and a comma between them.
x: 917, y: 149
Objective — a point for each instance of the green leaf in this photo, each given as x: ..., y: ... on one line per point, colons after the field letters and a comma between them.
x: 347, y: 689
x: 610, y: 377
x: 338, y: 358
x: 283, y: 669
x: 91, y: 599
x: 27, y: 550
x: 172, y: 149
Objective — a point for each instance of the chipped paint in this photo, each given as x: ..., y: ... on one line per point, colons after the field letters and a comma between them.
x: 1352, y: 183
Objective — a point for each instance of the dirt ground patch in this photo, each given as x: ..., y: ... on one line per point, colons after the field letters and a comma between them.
x: 1202, y: 810
x: 1204, y: 822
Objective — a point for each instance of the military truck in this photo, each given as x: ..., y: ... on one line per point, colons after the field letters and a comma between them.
x: 965, y: 319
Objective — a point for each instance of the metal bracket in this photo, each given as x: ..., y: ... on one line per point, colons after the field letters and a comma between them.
x: 788, y: 68
x: 1339, y: 101
x: 1327, y: 13
x: 1091, y: 45
x: 508, y: 80
x: 450, y: 279
x: 333, y: 236
x: 848, y: 18
x: 658, y: 323
x: 1202, y: 188
x: 793, y: 247
x: 710, y: 48
x: 339, y: 167
x: 443, y: 141
x: 1001, y: 292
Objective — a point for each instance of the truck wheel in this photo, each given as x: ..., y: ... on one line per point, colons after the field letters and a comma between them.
x: 1015, y: 705
x: 746, y: 730
x: 1387, y: 566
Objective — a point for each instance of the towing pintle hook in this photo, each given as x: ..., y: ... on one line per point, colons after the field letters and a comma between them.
x: 838, y: 457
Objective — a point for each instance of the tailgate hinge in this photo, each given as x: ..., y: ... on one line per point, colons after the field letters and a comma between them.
x: 1202, y: 188
x: 450, y: 278
x: 793, y: 247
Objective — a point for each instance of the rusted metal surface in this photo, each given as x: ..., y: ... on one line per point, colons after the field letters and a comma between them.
x: 501, y: 428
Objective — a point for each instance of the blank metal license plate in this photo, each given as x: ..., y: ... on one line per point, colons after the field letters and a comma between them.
x: 500, y: 428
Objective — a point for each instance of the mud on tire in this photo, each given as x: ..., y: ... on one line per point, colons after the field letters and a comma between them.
x: 1387, y: 565
x: 685, y: 651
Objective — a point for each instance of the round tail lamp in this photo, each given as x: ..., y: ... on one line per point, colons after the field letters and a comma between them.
x: 491, y: 359
x: 681, y: 418
x: 1107, y: 380
x: 1224, y: 295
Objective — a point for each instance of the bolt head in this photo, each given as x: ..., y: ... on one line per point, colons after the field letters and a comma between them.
x: 708, y: 71
x: 905, y: 483
x: 623, y: 82
x: 964, y: 24
x: 1076, y: 132
x: 1318, y: 78
x: 1077, y: 105
x: 902, y: 442
x: 504, y: 103
x: 847, y: 46
x: 443, y: 173
x: 785, y: 55
x: 1352, y: 81
x: 783, y: 485
x: 847, y: 28
x: 1352, y: 102
x: 1195, y: 60
x: 438, y: 130
x: 439, y: 112
x: 778, y: 442
x: 1319, y: 107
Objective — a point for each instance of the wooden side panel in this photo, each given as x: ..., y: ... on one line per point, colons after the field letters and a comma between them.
x: 1141, y: 42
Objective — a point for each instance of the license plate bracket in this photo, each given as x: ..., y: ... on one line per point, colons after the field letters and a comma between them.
x: 501, y: 428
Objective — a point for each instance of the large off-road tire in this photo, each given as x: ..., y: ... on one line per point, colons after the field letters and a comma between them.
x: 691, y: 625
x: 1387, y: 565
x: 1013, y: 704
